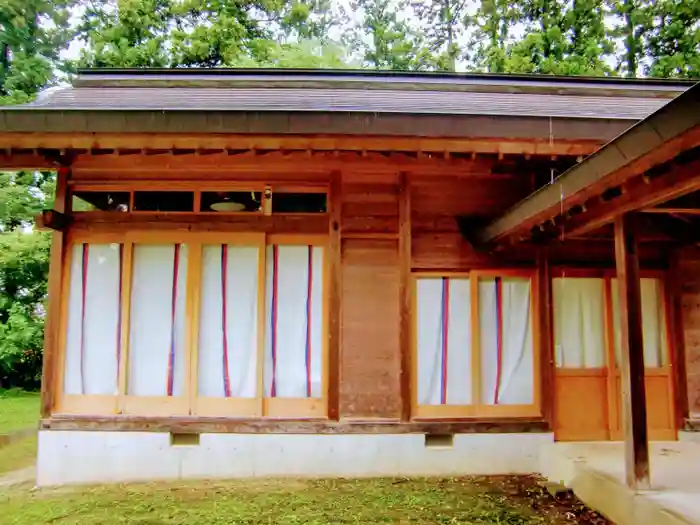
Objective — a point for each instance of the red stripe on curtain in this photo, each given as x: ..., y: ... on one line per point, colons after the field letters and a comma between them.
x: 224, y: 269
x: 445, y: 317
x: 119, y: 310
x: 309, y: 285
x: 171, y: 357
x: 499, y: 338
x: 83, y: 297
x: 273, y: 330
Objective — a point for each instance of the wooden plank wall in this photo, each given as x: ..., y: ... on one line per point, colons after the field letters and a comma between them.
x: 370, y: 358
x: 689, y: 280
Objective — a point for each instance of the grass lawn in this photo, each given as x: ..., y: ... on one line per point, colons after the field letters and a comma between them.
x: 18, y: 411
x: 504, y: 501
x: 18, y: 455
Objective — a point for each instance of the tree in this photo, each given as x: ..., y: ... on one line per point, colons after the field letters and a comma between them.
x: 630, y: 31
x: 491, y: 22
x: 201, y: 33
x: 32, y: 35
x: 384, y: 39
x: 443, y: 25
x: 674, y: 39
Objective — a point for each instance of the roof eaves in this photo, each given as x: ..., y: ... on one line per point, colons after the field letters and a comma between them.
x: 675, y: 118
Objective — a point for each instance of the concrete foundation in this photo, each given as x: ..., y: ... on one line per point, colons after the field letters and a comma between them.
x: 107, y: 457
x: 596, y: 473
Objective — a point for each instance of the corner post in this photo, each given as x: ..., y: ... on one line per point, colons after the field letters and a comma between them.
x: 52, y: 326
x: 634, y: 412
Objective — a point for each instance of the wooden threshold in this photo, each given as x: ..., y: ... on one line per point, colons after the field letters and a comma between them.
x: 290, y: 426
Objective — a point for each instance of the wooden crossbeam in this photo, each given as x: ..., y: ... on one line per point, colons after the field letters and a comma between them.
x: 639, y: 194
x: 672, y: 211
x: 52, y: 220
x: 237, y: 141
x: 25, y: 161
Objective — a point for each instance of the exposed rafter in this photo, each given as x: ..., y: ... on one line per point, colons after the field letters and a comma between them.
x: 669, y: 133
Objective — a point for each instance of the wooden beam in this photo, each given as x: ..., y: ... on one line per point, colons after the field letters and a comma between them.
x: 634, y: 411
x: 334, y: 299
x: 544, y: 318
x: 51, y: 220
x: 680, y: 211
x: 637, y: 195
x: 662, y: 136
x: 316, y: 142
x: 405, y: 294
x: 52, y: 326
x: 194, y: 424
x: 23, y: 161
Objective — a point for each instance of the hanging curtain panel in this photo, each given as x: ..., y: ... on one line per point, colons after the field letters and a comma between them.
x: 653, y: 322
x: 505, y: 325
x: 579, y: 322
x: 157, y: 324
x: 228, y: 321
x: 93, y: 330
x: 444, y: 341
x: 294, y: 322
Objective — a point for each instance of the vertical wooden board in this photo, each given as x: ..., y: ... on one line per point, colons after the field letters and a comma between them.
x: 334, y: 291
x: 53, y: 325
x: 405, y: 291
x: 543, y: 295
x: 580, y: 412
x: 371, y: 356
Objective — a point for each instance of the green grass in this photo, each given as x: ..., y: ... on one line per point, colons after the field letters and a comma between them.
x: 18, y: 411
x: 287, y: 502
x: 17, y: 455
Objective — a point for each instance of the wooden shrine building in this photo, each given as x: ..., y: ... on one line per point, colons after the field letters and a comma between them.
x: 264, y: 273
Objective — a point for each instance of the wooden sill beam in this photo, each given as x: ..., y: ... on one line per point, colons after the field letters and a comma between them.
x: 191, y: 424
x: 634, y: 411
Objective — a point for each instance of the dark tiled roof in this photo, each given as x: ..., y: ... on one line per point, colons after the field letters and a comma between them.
x: 222, y: 90
x: 286, y: 99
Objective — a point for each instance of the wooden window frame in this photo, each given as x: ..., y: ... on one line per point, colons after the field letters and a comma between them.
x: 303, y: 407
x: 478, y: 409
x: 189, y: 403
x: 197, y: 188
x: 612, y: 370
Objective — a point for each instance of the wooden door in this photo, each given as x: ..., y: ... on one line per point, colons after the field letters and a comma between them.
x: 587, y: 349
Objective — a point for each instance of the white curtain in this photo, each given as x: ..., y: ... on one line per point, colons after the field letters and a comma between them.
x: 653, y: 322
x: 444, y: 332
x: 511, y: 381
x: 294, y: 321
x: 155, y: 331
x: 579, y: 322
x: 92, y: 339
x: 241, y: 325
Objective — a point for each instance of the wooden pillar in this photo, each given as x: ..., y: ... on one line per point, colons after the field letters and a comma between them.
x: 405, y: 294
x: 334, y: 299
x: 52, y: 325
x: 544, y: 318
x: 634, y: 411
x: 674, y: 309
